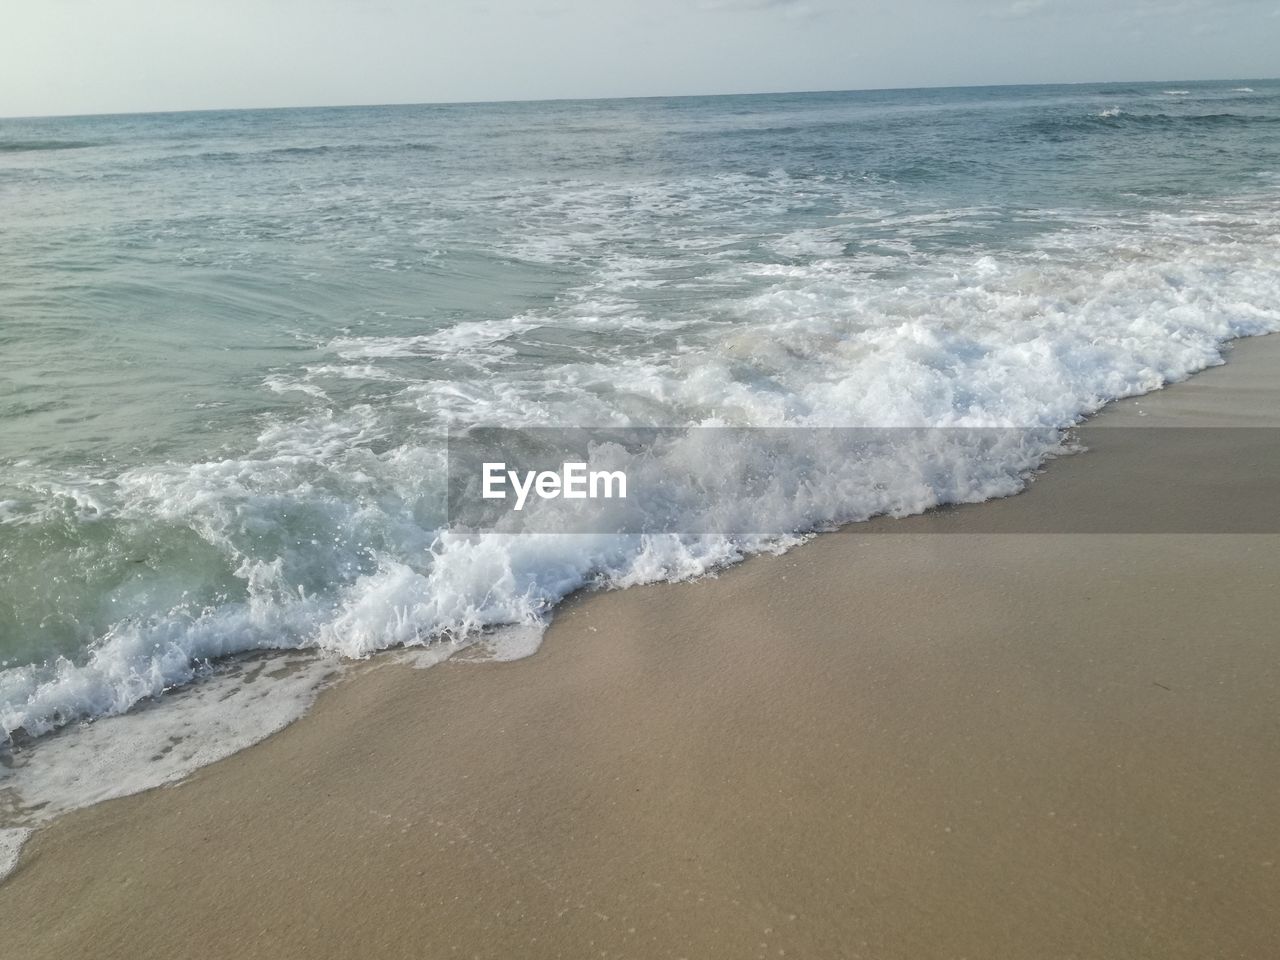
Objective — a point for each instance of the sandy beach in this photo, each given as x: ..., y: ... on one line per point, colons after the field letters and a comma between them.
x: 887, y: 743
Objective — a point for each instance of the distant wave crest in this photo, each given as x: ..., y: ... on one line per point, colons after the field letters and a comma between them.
x: 35, y: 146
x: 294, y: 153
x: 1113, y: 118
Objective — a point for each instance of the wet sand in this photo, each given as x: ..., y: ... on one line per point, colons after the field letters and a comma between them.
x: 912, y: 739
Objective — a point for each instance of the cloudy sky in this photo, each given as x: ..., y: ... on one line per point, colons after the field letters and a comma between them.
x: 93, y: 56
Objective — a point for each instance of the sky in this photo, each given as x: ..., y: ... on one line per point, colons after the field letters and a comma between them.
x: 123, y: 56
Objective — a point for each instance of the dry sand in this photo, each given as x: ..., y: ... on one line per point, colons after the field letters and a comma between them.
x: 884, y: 745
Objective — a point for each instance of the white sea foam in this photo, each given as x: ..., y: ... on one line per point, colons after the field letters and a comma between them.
x: 284, y: 384
x: 11, y: 843
x: 150, y: 747
x: 450, y: 341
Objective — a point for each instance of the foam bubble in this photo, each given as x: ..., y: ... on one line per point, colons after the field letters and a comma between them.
x: 11, y: 843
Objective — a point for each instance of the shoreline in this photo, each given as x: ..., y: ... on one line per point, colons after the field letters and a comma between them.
x: 879, y: 743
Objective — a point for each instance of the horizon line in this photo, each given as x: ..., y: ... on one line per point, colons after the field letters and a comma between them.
x: 658, y: 96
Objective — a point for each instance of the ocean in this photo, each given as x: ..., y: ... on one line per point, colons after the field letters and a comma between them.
x: 232, y: 345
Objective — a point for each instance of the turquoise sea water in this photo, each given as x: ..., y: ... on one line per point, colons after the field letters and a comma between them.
x: 231, y: 343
